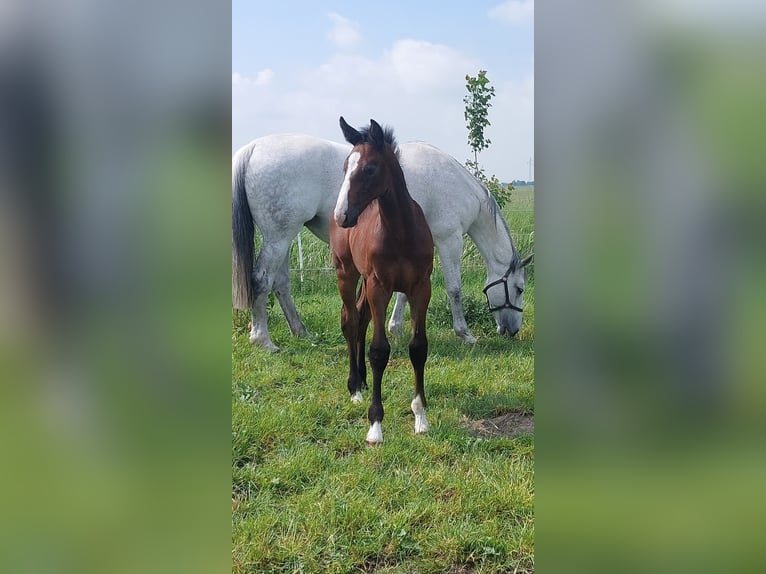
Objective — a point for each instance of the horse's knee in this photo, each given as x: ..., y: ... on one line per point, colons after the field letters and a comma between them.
x: 455, y: 295
x: 379, y: 354
x: 418, y: 350
x: 349, y: 321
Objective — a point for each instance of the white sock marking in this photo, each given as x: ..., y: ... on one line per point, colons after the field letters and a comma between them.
x: 356, y: 398
x: 375, y: 434
x: 341, y: 206
x: 421, y: 424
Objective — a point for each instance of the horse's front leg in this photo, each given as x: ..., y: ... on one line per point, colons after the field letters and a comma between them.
x: 450, y: 251
x: 380, y: 350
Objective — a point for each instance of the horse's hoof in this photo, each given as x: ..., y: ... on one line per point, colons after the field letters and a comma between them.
x: 374, y: 435
x: 266, y: 344
x: 356, y: 398
x: 421, y: 424
x: 301, y: 332
x: 467, y: 338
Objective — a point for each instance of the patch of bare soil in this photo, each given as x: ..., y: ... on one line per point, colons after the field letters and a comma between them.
x: 507, y: 425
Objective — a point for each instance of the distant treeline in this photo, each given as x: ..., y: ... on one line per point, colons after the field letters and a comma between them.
x: 521, y: 183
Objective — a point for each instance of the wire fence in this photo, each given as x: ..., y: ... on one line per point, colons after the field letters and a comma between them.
x: 309, y: 255
x: 469, y: 262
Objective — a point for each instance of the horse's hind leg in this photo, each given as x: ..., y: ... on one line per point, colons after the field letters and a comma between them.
x: 349, y: 323
x: 419, y: 353
x: 266, y: 267
x: 397, y: 315
x: 282, y: 291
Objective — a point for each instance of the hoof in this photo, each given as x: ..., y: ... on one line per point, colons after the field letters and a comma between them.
x: 421, y: 424
x: 356, y: 398
x: 467, y: 338
x: 265, y: 343
x: 301, y: 331
x: 374, y: 435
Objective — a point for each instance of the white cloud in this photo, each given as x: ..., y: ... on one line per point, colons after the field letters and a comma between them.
x: 262, y: 78
x: 344, y: 33
x: 514, y: 12
x: 415, y: 86
x: 423, y: 66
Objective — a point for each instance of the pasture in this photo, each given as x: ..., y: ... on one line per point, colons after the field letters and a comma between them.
x: 309, y: 496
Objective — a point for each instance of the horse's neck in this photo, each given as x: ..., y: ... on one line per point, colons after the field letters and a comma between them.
x: 492, y: 238
x: 395, y: 206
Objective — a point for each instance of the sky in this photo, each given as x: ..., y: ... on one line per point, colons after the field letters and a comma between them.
x: 299, y: 65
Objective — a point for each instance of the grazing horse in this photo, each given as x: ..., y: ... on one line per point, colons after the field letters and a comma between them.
x: 283, y: 182
x: 378, y: 232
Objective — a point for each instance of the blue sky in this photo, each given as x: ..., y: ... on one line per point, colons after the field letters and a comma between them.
x: 298, y: 65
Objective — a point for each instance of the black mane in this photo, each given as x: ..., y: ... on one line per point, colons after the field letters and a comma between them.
x: 388, y: 137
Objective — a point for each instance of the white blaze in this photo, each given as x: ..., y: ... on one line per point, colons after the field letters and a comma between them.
x: 341, y: 206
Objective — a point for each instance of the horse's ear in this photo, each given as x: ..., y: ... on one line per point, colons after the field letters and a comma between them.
x: 352, y: 136
x: 376, y: 135
x: 526, y: 260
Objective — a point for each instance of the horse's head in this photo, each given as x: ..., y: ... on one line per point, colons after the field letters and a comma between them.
x: 367, y: 173
x: 505, y: 296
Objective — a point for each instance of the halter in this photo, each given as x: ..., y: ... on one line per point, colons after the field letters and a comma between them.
x: 504, y: 281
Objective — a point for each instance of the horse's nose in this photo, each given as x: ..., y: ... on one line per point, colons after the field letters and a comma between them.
x: 506, y: 331
x: 349, y: 220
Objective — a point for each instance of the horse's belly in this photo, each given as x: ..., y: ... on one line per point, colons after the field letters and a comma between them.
x: 398, y: 274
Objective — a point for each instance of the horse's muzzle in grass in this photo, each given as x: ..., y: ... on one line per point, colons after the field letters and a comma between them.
x: 507, y: 332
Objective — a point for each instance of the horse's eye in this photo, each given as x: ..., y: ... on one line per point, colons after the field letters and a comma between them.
x: 369, y: 170
x: 519, y: 290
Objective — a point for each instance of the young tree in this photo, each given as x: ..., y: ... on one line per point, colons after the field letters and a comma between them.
x: 477, y: 104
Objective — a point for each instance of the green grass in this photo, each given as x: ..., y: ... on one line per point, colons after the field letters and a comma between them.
x: 310, y: 496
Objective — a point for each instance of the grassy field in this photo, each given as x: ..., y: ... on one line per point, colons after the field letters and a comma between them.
x: 310, y: 496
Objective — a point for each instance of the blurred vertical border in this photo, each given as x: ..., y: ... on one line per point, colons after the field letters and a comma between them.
x: 114, y: 286
x: 650, y: 270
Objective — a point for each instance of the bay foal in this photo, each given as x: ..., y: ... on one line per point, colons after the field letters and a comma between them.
x: 378, y: 232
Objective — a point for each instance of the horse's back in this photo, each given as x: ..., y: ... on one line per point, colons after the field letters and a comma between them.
x: 448, y: 194
x: 293, y: 179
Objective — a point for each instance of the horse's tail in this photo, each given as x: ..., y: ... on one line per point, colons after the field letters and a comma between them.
x: 242, y: 234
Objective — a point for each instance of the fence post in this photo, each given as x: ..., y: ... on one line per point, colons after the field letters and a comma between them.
x: 300, y: 258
